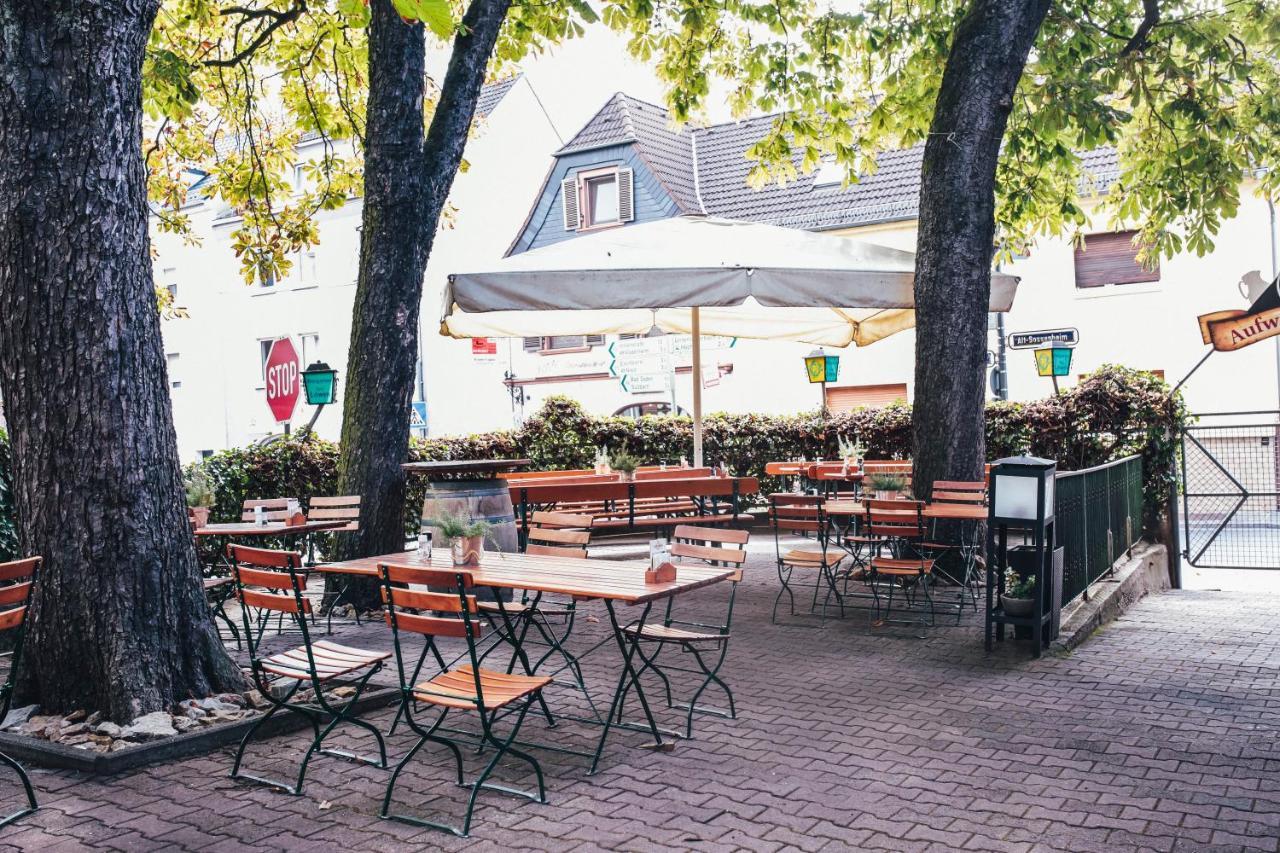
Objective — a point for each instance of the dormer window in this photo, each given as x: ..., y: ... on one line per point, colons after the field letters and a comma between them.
x: 597, y: 198
x: 829, y: 175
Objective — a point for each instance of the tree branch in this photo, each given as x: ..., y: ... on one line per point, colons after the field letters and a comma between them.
x: 278, y: 20
x: 1150, y: 17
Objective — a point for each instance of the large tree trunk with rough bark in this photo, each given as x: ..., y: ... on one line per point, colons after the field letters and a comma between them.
x: 956, y: 236
x: 407, y: 179
x: 120, y: 622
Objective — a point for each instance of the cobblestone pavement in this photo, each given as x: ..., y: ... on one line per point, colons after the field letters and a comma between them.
x: 1159, y: 733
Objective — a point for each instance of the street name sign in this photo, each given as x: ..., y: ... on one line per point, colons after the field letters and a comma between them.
x: 1045, y: 337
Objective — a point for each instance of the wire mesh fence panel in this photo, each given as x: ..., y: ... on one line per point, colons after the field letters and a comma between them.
x: 1230, y: 500
x: 1098, y: 515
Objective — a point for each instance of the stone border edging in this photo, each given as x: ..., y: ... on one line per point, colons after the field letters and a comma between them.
x: 59, y: 756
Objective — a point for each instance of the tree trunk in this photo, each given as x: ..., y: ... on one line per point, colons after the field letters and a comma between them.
x: 407, y: 179
x: 956, y: 236
x: 120, y: 622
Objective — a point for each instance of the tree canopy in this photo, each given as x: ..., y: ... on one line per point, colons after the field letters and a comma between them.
x: 1186, y: 90
x: 232, y: 88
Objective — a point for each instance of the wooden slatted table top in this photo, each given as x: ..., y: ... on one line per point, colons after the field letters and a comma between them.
x: 954, y: 512
x: 271, y: 528
x: 619, y: 580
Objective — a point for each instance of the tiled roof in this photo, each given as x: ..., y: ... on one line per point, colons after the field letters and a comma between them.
x: 493, y: 93
x: 892, y: 192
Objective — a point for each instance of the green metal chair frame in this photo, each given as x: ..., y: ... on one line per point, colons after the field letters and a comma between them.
x: 280, y: 588
x: 709, y: 545
x: 900, y: 526
x: 803, y: 514
x: 460, y: 689
x: 19, y: 578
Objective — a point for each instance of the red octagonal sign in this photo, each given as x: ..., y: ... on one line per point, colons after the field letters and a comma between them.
x: 282, y: 379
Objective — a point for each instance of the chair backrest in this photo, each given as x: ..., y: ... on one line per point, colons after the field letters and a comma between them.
x: 797, y: 514
x: 399, y: 599
x: 725, y: 546
x: 17, y: 583
x: 559, y: 534
x: 276, y: 509
x: 959, y: 492
x: 337, y: 508
x: 269, y: 580
x: 895, y: 519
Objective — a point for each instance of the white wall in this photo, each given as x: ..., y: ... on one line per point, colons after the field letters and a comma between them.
x: 221, y: 402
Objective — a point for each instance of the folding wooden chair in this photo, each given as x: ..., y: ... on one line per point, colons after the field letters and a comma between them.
x: 468, y: 687
x: 899, y: 525
x: 333, y: 508
x: 271, y: 581
x: 217, y: 590
x: 718, y: 547
x: 967, y: 492
x: 275, y: 509
x: 17, y: 582
x: 551, y: 534
x: 803, y: 515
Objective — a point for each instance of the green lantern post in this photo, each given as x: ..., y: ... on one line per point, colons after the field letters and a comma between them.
x: 1054, y: 362
x: 320, y: 383
x: 821, y: 369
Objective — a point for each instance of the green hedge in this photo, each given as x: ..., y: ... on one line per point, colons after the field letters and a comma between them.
x: 1112, y: 413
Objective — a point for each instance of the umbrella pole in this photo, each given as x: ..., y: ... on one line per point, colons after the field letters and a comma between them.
x: 696, y: 329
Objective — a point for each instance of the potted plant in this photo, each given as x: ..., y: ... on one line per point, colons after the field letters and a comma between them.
x: 886, y: 486
x: 466, y: 538
x: 199, y: 496
x: 602, y: 460
x: 1018, y: 598
x: 852, y: 452
x: 625, y: 464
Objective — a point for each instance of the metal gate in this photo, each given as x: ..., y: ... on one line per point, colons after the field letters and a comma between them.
x: 1230, y: 466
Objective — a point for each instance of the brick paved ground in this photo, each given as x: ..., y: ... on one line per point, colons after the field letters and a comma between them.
x: 1160, y: 733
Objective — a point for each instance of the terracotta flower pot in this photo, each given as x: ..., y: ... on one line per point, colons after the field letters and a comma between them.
x: 199, y: 516
x: 467, y: 550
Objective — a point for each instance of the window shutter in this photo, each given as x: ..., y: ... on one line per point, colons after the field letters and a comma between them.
x: 595, y: 340
x: 569, y: 203
x: 532, y: 344
x: 626, y: 199
x: 1110, y: 259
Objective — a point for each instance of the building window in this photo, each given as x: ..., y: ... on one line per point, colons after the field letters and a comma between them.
x: 170, y: 278
x: 639, y: 410
x: 306, y: 269
x: 266, y: 276
x: 300, y: 178
x: 264, y: 351
x: 562, y: 343
x: 852, y: 397
x: 171, y: 366
x: 597, y: 198
x: 1111, y: 258
x: 310, y: 348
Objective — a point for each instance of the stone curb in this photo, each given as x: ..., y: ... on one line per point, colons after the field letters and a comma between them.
x: 1145, y: 570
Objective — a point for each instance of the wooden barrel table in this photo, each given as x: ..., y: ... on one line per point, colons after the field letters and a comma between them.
x: 470, y: 489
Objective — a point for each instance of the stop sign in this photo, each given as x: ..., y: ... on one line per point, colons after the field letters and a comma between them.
x: 282, y: 375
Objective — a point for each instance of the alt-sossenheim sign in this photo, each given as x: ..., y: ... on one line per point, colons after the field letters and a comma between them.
x: 1045, y: 337
x: 282, y: 377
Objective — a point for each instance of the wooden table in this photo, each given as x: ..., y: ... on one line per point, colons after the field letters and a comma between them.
x: 618, y: 499
x: 247, y: 529
x: 611, y: 581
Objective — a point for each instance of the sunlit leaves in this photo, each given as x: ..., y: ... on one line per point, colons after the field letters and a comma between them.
x: 1193, y: 111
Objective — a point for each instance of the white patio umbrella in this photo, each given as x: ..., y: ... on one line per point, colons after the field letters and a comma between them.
x: 696, y: 275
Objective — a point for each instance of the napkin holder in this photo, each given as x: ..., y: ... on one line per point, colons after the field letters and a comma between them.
x: 665, y: 573
x: 297, y: 518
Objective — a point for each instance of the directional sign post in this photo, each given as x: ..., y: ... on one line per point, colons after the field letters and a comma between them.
x: 641, y: 365
x: 282, y: 379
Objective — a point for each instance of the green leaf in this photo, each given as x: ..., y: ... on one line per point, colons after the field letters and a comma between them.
x: 436, y: 14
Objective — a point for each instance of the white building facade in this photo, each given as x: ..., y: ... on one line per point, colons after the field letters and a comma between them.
x: 627, y: 165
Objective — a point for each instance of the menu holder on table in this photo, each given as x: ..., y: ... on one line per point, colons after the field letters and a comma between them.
x: 665, y: 573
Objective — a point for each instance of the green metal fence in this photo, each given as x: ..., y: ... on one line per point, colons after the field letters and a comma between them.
x: 1099, y: 517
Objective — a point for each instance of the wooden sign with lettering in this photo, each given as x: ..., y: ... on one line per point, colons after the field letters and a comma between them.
x: 1233, y: 330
